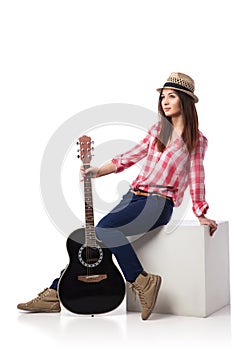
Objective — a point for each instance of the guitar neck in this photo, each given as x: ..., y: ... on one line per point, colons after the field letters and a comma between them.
x: 89, y: 212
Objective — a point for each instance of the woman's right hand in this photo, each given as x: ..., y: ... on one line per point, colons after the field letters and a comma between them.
x: 92, y: 171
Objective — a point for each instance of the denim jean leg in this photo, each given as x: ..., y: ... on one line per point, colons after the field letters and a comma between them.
x: 55, y: 282
x: 139, y: 215
x: 125, y: 255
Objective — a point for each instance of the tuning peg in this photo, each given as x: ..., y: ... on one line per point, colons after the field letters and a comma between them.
x: 77, y: 143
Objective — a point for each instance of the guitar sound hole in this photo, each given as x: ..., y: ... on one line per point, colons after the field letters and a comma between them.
x: 90, y: 256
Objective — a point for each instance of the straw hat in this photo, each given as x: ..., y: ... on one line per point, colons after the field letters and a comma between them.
x: 181, y: 82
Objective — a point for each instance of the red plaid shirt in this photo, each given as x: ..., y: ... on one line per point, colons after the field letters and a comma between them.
x: 168, y: 172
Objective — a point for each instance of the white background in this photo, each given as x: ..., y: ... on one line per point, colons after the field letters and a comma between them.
x: 61, y: 57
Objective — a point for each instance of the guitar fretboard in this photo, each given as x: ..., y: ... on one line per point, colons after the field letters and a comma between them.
x: 89, y: 212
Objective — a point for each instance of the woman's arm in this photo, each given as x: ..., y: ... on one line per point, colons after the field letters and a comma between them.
x: 138, y: 152
x: 197, y: 177
x: 197, y: 185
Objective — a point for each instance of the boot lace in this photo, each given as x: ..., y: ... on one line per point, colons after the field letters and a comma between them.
x: 41, y: 295
x: 137, y: 290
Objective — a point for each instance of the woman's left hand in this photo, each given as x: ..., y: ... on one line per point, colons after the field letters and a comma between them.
x: 211, y: 223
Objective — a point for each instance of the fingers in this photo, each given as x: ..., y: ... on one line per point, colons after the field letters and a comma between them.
x: 211, y: 223
x: 213, y: 227
x: 91, y: 171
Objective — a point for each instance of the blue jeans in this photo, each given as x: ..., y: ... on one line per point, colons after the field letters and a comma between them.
x: 133, y: 215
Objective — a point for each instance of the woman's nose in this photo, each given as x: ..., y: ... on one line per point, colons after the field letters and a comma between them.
x: 165, y: 101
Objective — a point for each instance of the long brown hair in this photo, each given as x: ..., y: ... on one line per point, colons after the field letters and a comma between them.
x: 190, y: 119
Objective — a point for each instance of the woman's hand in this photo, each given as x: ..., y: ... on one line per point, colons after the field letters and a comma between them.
x: 211, y: 223
x: 92, y: 171
x: 105, y: 169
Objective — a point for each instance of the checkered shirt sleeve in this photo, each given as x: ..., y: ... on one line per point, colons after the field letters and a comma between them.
x: 197, y: 177
x: 136, y: 153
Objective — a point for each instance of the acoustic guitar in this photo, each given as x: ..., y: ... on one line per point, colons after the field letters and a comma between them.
x: 91, y: 282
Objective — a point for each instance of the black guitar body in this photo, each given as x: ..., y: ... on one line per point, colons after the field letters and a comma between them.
x: 91, y: 283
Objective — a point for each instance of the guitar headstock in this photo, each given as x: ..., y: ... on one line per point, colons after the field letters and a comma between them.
x: 86, y: 149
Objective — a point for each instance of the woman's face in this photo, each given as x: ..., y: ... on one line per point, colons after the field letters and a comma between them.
x: 170, y: 103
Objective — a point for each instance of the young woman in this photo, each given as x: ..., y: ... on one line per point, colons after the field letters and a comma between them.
x: 173, y: 150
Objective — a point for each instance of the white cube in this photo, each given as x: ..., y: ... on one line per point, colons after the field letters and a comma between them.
x: 194, y: 268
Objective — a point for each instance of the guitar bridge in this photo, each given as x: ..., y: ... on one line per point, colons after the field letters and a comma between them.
x: 92, y: 278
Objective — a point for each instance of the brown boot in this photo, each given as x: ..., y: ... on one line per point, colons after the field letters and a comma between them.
x: 46, y: 301
x: 147, y: 288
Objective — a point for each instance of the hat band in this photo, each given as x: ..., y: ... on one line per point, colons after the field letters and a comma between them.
x: 178, y: 86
